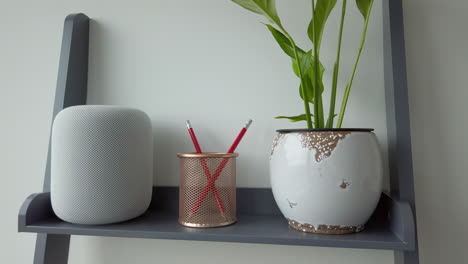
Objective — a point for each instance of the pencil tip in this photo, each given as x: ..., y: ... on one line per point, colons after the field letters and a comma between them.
x: 248, y: 123
x: 188, y: 124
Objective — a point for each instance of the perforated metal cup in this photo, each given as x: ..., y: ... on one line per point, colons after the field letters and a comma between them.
x: 203, y: 201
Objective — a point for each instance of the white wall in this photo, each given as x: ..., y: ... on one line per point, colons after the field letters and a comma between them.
x: 212, y: 62
x: 436, y: 40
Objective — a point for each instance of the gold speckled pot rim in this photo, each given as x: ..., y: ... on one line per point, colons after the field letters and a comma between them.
x: 325, y: 229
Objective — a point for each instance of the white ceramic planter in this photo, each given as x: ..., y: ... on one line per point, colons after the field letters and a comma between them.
x: 326, y: 181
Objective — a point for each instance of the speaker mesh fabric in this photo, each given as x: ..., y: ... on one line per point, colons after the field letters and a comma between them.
x: 101, y: 164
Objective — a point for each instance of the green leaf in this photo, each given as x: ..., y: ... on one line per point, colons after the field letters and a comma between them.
x: 267, y: 8
x: 364, y: 6
x: 305, y: 59
x: 307, y: 67
x: 295, y: 67
x: 294, y: 118
x: 283, y: 41
x: 308, y: 85
x: 322, y: 11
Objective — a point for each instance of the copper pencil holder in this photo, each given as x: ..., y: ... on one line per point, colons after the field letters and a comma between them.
x: 207, y: 191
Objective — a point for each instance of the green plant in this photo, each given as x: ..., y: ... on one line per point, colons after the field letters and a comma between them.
x: 306, y: 64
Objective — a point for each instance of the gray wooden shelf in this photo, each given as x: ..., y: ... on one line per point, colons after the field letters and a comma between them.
x: 391, y: 227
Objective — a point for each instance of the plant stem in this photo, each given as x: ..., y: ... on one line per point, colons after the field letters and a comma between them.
x: 317, y: 117
x: 304, y: 91
x: 331, y: 114
x: 350, y: 83
x: 320, y: 111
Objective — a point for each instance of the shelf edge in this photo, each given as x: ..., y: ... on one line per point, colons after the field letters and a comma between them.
x: 397, y: 214
x: 36, y: 206
x: 402, y: 223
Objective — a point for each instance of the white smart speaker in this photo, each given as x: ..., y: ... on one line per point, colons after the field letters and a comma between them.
x: 101, y: 164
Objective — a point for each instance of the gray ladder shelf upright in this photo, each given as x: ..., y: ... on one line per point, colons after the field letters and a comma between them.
x: 392, y: 227
x: 72, y: 83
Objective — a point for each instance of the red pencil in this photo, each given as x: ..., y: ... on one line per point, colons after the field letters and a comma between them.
x: 205, y: 166
x: 211, y: 182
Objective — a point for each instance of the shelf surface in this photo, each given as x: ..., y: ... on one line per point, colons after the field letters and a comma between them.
x: 393, y: 233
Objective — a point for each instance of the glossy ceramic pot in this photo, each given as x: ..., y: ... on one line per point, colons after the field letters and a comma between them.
x: 326, y: 181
